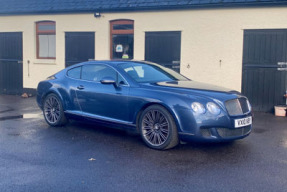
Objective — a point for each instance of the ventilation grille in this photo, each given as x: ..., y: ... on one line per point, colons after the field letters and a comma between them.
x: 224, y: 132
x: 205, y: 132
x: 238, y: 106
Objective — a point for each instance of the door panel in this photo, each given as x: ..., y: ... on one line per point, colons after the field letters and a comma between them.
x: 262, y: 82
x: 163, y: 48
x: 11, y: 63
x: 79, y: 47
x: 104, y: 100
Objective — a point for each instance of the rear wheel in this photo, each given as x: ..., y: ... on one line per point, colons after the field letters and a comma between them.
x: 158, y: 129
x: 53, y: 111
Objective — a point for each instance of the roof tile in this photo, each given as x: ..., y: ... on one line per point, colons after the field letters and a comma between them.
x: 62, y: 6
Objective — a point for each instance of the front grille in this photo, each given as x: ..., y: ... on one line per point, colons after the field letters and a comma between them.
x: 238, y: 106
x: 244, y: 105
x: 225, y: 132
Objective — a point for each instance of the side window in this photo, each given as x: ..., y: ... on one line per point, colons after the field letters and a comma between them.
x: 91, y: 72
x: 75, y: 73
x: 46, y: 39
x: 97, y: 72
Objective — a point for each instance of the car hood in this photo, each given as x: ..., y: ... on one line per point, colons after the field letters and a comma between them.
x: 196, y: 88
x: 193, y: 85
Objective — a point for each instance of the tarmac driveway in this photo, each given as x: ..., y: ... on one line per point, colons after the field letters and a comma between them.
x: 84, y: 157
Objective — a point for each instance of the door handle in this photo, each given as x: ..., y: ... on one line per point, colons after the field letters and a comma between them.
x: 80, y: 87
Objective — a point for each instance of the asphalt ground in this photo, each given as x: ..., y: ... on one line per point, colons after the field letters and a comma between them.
x: 86, y: 157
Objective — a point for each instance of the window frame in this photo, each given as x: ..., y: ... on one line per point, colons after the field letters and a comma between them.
x: 43, y: 32
x: 119, y: 31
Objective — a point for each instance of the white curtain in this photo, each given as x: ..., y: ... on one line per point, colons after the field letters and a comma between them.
x: 47, y: 45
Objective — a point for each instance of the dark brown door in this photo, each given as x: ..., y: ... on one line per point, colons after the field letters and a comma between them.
x: 11, y: 63
x: 263, y: 80
x: 163, y: 48
x: 79, y: 47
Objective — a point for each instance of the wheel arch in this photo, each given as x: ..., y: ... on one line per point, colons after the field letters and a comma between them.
x: 171, y: 111
x: 56, y: 92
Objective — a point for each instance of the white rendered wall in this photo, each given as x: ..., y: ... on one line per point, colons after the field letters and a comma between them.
x: 211, y: 41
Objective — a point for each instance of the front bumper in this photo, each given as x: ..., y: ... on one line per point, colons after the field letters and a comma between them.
x: 210, y: 128
x: 217, y: 134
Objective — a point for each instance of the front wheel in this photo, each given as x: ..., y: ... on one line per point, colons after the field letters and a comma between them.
x: 53, y: 111
x: 157, y: 127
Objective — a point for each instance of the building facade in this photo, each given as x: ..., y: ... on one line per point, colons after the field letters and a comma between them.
x: 237, y: 47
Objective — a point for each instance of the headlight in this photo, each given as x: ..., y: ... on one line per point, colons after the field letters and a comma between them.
x: 198, y: 107
x: 213, y: 108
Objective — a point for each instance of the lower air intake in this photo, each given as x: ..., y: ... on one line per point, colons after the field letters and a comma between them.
x: 205, y: 132
x: 225, y: 133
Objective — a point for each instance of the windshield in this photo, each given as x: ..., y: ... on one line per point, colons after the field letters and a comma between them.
x: 148, y: 73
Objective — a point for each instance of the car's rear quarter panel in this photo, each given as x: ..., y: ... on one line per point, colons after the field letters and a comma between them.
x: 63, y: 88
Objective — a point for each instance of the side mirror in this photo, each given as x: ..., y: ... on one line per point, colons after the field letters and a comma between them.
x: 108, y: 80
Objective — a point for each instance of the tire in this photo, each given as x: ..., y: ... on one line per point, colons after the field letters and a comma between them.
x: 157, y: 128
x: 53, y: 111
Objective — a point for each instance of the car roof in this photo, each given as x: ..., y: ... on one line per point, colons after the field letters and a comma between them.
x: 109, y: 62
x: 115, y: 62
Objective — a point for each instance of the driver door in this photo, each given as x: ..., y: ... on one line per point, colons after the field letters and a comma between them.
x: 103, y: 100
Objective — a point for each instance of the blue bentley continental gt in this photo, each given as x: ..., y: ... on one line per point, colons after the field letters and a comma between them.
x: 163, y: 106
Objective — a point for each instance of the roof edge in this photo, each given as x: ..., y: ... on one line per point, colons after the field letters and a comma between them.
x: 148, y: 8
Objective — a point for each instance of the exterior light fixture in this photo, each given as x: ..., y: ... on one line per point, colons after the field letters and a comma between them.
x: 97, y: 14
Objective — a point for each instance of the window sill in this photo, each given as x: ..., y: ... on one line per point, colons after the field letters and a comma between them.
x: 45, y: 61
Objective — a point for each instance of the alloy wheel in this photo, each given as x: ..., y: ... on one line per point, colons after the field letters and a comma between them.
x: 155, y: 127
x: 52, y: 109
